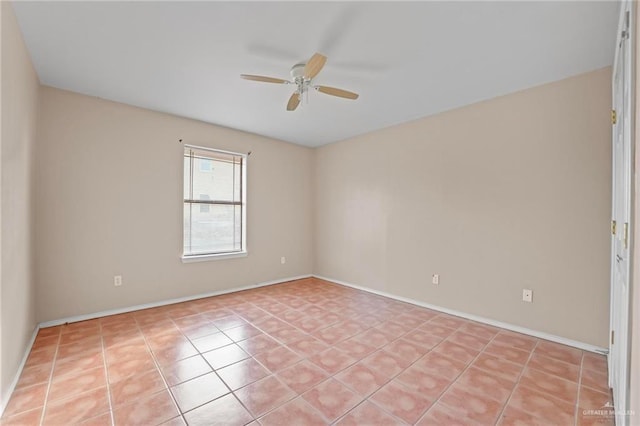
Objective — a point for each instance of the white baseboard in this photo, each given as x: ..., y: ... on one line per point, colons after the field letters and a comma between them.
x: 4, y: 401
x: 495, y: 323
x: 108, y: 312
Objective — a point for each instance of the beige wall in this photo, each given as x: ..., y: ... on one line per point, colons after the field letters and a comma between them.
x: 19, y: 93
x: 499, y: 196
x: 108, y: 202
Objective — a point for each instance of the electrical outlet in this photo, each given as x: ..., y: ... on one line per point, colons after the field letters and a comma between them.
x: 117, y: 280
x: 527, y: 295
x: 435, y: 279
x: 283, y: 260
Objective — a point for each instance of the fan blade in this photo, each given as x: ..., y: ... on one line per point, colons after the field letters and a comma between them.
x: 263, y: 79
x: 337, y: 92
x: 294, y: 101
x: 314, y: 66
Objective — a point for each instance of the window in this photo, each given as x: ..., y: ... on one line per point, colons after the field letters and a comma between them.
x: 214, y: 203
x: 204, y: 207
x: 206, y: 165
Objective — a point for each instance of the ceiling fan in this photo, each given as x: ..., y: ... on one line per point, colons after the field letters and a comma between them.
x: 302, y: 76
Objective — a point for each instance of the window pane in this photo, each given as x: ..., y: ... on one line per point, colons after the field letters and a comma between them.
x: 223, y: 177
x: 215, y: 231
x: 187, y: 228
x: 205, y: 165
x: 187, y: 177
x: 204, y: 208
x: 203, y: 181
x: 237, y: 175
x: 221, y: 182
x: 237, y: 211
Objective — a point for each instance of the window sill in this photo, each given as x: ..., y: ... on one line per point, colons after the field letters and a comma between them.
x: 207, y: 257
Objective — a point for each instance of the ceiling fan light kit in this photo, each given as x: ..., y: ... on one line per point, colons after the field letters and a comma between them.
x: 302, y: 76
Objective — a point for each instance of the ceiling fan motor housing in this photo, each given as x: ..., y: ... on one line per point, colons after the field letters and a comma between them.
x: 297, y: 71
x: 297, y: 74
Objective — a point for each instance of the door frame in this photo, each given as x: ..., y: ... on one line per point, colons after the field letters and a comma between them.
x: 624, y: 45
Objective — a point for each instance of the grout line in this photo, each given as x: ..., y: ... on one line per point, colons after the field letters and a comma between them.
x: 577, y: 409
x: 305, y: 358
x: 524, y: 367
x: 233, y: 342
x: 53, y: 365
x: 579, y: 382
x: 453, y: 381
x: 274, y: 374
x: 304, y: 401
x: 367, y: 398
x: 106, y: 374
x: 295, y: 395
x: 155, y: 361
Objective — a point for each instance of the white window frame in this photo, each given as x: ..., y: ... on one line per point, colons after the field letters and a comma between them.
x: 188, y: 258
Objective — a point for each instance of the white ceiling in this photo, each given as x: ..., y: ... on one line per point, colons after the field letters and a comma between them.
x: 407, y: 60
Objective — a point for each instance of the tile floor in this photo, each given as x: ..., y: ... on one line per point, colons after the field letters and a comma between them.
x: 302, y: 353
